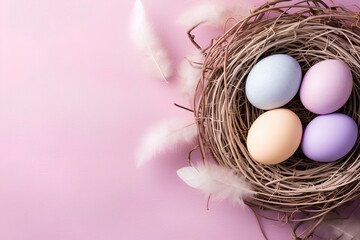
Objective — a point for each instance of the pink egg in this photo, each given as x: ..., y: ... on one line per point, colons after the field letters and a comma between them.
x: 326, y: 86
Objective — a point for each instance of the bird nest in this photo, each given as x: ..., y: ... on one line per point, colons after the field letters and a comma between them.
x: 310, y: 31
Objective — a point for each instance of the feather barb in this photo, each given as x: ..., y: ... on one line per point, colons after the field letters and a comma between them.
x: 217, y: 181
x: 146, y: 40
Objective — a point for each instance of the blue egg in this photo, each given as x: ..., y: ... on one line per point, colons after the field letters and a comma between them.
x: 273, y: 81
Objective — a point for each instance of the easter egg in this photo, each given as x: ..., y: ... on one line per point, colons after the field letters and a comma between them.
x: 273, y: 81
x: 326, y: 86
x: 329, y: 137
x: 274, y: 136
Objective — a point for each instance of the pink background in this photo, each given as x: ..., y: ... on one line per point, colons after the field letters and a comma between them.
x: 74, y: 103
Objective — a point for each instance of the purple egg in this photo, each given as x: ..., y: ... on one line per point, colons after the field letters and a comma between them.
x: 329, y: 137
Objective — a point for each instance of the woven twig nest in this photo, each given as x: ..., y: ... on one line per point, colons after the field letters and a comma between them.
x: 310, y: 31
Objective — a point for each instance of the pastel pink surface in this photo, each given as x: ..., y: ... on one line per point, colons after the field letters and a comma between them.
x: 326, y: 86
x: 74, y: 103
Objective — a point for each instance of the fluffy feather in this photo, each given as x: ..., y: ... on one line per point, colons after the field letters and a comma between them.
x: 148, y: 42
x: 215, y: 14
x: 189, y: 73
x: 217, y: 181
x: 164, y: 136
x: 335, y: 227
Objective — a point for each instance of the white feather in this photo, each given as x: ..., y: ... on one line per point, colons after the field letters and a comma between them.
x: 164, y: 136
x: 336, y: 227
x: 217, y: 181
x: 215, y: 14
x: 189, y: 73
x: 148, y: 42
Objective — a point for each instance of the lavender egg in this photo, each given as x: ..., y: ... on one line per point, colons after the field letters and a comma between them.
x: 329, y: 137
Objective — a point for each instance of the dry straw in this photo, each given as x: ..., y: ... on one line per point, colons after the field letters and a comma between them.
x: 310, y: 31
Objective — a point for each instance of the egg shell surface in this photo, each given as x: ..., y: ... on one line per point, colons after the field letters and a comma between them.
x: 326, y: 86
x: 274, y: 136
x: 329, y: 137
x: 273, y: 81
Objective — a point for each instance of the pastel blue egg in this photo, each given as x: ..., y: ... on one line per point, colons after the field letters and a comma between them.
x: 273, y: 81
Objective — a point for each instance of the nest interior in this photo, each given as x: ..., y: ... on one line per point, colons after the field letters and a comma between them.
x: 309, y: 31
